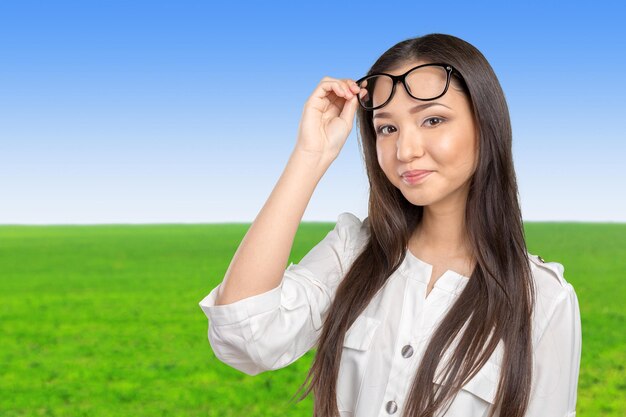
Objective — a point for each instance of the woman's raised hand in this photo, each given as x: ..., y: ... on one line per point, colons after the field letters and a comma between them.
x: 258, y: 265
x: 327, y: 118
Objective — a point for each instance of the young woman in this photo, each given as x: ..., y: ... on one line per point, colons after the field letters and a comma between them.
x: 432, y: 305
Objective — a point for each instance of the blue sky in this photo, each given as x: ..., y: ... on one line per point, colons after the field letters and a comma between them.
x: 183, y: 111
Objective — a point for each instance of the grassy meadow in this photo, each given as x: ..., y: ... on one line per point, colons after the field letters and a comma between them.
x: 104, y: 320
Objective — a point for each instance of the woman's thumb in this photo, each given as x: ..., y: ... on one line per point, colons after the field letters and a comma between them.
x: 349, y: 108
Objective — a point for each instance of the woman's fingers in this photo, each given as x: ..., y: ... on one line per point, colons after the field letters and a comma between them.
x: 345, y: 88
x: 328, y: 117
x: 349, y: 109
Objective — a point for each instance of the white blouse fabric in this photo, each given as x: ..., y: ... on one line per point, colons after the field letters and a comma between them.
x: 382, y: 348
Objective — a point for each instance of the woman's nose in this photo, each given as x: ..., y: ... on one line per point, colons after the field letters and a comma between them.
x: 409, y: 141
x: 409, y: 144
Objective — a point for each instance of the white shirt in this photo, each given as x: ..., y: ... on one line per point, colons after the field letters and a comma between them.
x: 382, y: 348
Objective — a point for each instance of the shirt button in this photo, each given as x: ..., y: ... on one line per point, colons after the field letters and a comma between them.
x: 391, y: 407
x: 407, y: 351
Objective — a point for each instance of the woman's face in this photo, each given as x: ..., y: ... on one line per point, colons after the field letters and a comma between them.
x: 440, y: 138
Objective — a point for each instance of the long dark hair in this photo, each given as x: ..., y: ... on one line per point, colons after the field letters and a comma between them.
x: 495, y: 307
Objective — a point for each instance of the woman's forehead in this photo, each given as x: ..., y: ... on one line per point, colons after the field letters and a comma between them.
x: 405, y: 66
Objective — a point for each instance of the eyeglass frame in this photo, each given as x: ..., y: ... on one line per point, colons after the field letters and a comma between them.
x: 402, y: 78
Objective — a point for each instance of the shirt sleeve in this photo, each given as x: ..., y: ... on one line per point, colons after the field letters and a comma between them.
x: 557, y: 360
x: 273, y: 329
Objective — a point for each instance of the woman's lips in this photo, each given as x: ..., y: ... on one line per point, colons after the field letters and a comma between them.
x: 415, y: 172
x: 415, y: 177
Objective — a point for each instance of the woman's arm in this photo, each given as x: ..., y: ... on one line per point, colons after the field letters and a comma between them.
x: 259, y: 263
x: 557, y: 360
x: 273, y: 329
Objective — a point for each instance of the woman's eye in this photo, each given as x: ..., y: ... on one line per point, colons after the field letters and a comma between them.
x: 439, y: 120
x: 380, y: 129
x: 430, y: 122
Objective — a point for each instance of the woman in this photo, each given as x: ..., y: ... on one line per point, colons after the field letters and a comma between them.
x: 432, y: 305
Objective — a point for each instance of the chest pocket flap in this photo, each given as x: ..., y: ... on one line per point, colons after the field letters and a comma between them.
x: 484, y: 384
x: 360, y: 335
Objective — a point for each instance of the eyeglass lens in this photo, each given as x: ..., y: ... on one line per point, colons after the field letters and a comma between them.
x: 423, y: 83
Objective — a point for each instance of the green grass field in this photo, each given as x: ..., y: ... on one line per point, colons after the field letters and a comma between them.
x: 104, y: 320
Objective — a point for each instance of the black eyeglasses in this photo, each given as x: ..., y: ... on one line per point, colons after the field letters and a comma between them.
x: 424, y: 82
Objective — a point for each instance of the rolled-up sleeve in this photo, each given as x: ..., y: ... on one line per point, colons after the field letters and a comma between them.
x: 273, y: 329
x: 557, y: 360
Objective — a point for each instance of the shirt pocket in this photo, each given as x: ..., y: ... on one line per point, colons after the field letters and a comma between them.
x: 355, y: 354
x: 477, y: 396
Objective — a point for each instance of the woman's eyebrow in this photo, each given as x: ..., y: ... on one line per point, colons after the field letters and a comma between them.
x: 414, y: 109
